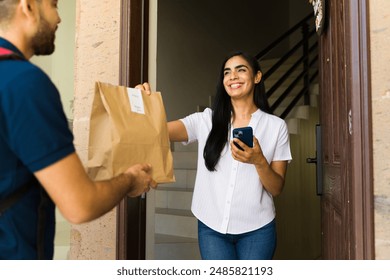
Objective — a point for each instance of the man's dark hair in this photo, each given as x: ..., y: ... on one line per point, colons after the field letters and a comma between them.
x: 7, y: 10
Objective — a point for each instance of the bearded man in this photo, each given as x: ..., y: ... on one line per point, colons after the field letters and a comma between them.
x: 39, y: 168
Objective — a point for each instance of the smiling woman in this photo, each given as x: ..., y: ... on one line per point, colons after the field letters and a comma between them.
x: 239, y: 80
x: 234, y: 185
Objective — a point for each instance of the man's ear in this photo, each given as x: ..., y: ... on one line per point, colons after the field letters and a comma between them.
x: 28, y: 7
x: 258, y: 77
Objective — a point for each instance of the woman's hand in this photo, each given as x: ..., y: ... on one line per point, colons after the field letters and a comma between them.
x: 271, y: 175
x: 248, y: 155
x: 176, y: 129
x: 144, y: 86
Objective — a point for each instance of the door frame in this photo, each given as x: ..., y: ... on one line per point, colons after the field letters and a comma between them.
x: 133, y: 70
x: 362, y: 191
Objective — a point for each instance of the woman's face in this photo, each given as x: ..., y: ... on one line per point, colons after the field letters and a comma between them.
x: 238, y: 77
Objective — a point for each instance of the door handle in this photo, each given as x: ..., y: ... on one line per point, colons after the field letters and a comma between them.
x: 318, y: 160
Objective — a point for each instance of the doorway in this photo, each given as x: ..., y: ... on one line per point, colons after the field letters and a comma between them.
x: 178, y: 53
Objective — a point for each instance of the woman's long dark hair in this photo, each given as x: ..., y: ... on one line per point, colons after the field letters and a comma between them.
x: 222, y: 112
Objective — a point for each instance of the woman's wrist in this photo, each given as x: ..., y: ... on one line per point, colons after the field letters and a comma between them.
x: 261, y: 162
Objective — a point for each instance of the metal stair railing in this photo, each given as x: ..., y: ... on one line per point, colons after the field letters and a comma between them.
x: 308, y: 59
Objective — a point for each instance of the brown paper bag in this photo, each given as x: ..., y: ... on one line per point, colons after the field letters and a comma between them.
x: 128, y: 126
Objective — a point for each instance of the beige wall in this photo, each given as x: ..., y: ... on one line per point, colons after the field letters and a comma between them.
x: 380, y: 82
x: 96, y: 58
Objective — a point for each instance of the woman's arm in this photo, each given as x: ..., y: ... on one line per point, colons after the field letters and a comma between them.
x: 176, y: 129
x: 271, y: 175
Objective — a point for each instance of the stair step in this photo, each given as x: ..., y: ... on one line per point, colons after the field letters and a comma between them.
x: 185, y: 160
x: 169, y: 247
x: 185, y: 178
x: 314, y: 100
x: 298, y: 112
x: 180, y: 147
x: 294, y: 123
x: 174, y: 212
x: 173, y: 189
x: 173, y: 198
x: 271, y: 80
x: 176, y: 251
x: 164, y: 238
x: 293, y: 126
x: 175, y: 222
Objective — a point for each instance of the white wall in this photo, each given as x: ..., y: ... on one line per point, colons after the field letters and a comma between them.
x: 60, y: 65
x: 195, y: 35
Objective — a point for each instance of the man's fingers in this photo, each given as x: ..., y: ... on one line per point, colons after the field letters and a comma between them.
x: 148, y: 169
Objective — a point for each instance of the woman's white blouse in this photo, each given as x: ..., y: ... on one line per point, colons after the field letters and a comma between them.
x: 232, y: 199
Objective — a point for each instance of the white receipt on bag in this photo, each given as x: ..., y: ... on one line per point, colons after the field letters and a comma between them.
x: 136, y: 101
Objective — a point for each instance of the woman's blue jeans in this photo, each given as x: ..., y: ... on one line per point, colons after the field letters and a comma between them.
x: 259, y: 244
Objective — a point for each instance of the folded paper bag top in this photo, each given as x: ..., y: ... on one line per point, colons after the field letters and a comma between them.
x: 127, y: 127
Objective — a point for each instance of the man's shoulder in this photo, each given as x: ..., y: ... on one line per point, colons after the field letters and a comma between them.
x: 20, y: 74
x: 16, y: 68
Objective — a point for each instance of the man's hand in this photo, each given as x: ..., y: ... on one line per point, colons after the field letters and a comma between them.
x: 140, y: 179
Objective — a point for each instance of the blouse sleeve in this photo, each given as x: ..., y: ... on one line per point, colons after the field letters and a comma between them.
x: 196, y: 124
x: 282, y: 151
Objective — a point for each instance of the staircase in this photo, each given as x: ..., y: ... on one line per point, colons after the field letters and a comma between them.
x: 175, y: 226
x: 300, y: 111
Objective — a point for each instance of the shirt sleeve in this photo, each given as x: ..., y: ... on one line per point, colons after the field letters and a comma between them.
x: 282, y: 151
x: 196, y: 123
x: 37, y: 129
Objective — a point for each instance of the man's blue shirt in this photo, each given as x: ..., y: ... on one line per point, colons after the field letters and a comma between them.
x: 33, y: 135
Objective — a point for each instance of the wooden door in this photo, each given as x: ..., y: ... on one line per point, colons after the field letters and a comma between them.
x: 346, y: 202
x: 131, y: 218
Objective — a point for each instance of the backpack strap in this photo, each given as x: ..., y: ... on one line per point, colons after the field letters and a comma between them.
x: 18, y: 194
x: 8, y: 54
x: 44, y: 200
x: 14, y: 197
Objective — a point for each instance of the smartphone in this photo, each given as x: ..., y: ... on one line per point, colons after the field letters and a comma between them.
x: 245, y: 134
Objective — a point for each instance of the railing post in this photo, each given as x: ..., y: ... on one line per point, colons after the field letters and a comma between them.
x: 306, y: 79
